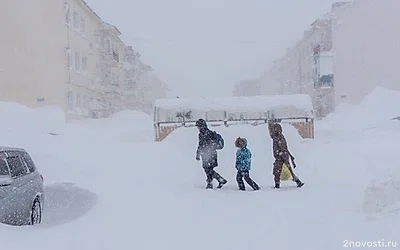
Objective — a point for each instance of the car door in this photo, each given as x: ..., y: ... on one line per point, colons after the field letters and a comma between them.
x: 5, y: 189
x: 5, y: 186
x: 20, y: 175
x: 34, y: 185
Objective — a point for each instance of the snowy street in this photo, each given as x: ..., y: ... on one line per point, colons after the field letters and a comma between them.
x: 110, y: 186
x: 113, y: 113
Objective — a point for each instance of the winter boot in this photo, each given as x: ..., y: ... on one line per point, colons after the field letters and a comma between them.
x: 254, y: 185
x: 209, y: 185
x: 277, y: 185
x: 299, y: 183
x: 221, y: 183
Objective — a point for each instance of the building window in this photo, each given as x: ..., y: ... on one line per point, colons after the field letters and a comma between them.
x: 115, y: 56
x: 67, y: 14
x: 76, y: 20
x: 69, y: 59
x: 83, y: 25
x: 70, y: 100
x: 77, y: 62
x: 85, y: 102
x: 325, y: 81
x: 105, y: 78
x: 114, y: 52
x: 78, y: 100
x: 108, y: 45
x: 113, y: 79
x: 96, y: 40
x: 84, y: 64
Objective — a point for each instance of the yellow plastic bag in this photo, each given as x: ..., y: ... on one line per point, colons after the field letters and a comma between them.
x: 285, y: 174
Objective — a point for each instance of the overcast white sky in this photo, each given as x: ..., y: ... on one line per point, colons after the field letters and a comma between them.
x: 204, y: 47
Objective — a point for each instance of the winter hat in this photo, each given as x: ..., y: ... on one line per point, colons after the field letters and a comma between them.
x: 240, y: 142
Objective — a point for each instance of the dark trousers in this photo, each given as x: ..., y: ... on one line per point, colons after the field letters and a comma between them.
x: 212, y: 174
x: 246, y: 176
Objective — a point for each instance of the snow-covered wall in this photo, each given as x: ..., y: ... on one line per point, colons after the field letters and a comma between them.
x: 33, y: 60
x: 367, y: 46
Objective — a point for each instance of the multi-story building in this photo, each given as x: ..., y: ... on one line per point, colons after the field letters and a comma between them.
x: 342, y: 57
x: 62, y: 53
x: 151, y: 88
x: 112, y: 67
x: 132, y: 65
x: 83, y: 51
x: 142, y: 86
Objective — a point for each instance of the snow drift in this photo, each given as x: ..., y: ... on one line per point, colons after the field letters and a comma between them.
x: 382, y: 196
x: 126, y: 125
x: 380, y: 106
x: 17, y: 117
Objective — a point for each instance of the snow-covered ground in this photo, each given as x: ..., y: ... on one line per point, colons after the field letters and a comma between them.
x: 110, y: 186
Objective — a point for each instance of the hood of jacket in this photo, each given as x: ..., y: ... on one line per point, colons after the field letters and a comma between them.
x: 275, y: 130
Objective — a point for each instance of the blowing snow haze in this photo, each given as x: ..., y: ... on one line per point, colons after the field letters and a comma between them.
x: 122, y: 167
x: 202, y: 48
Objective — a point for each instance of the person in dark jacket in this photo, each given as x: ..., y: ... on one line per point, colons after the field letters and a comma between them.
x: 243, y: 164
x: 207, y: 151
x: 281, y: 154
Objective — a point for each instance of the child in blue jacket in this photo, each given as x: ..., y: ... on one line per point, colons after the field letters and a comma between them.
x: 243, y: 164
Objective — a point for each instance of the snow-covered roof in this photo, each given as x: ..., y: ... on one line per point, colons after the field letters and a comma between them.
x: 112, y: 27
x: 262, y: 103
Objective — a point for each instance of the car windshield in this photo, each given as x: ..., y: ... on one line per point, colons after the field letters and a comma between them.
x: 3, y: 168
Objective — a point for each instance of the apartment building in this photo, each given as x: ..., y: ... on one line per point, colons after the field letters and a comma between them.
x: 150, y: 88
x: 133, y: 70
x: 344, y: 55
x: 112, y: 69
x: 60, y: 52
x: 83, y: 53
x: 142, y: 86
x: 96, y: 70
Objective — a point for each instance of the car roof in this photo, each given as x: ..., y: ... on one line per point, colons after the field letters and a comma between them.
x: 4, y: 148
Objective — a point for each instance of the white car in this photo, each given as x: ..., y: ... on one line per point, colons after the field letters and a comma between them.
x: 21, y: 188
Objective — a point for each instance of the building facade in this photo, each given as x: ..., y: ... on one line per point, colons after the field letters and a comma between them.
x: 60, y: 52
x: 132, y: 75
x: 142, y: 85
x: 342, y: 57
x: 150, y: 89
x: 83, y: 52
x: 32, y: 63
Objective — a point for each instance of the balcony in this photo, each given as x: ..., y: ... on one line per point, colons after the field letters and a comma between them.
x: 322, y: 46
x: 115, y: 56
x: 112, y: 89
x: 110, y: 59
